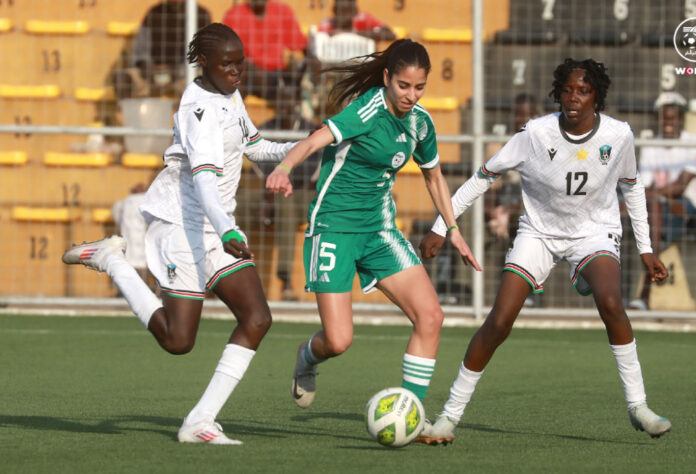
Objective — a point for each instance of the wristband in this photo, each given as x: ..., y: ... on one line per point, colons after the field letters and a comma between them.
x: 283, y: 167
x: 232, y: 235
x: 455, y: 226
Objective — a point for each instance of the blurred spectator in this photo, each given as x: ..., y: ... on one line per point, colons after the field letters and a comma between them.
x: 268, y: 29
x: 132, y: 227
x: 287, y: 214
x: 668, y: 174
x: 158, y: 54
x: 347, y: 19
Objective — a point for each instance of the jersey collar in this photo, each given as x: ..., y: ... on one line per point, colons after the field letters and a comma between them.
x: 583, y: 139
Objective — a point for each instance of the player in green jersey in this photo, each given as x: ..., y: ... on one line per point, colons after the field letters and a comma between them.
x: 352, y: 219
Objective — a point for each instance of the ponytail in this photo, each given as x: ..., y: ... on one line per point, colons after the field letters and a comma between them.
x: 368, y: 72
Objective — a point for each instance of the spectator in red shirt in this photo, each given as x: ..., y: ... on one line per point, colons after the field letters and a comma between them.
x: 347, y: 19
x: 267, y: 28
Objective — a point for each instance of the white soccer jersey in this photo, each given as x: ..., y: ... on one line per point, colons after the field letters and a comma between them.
x: 211, y: 133
x: 568, y: 185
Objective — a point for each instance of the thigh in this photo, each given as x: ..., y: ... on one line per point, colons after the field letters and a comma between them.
x: 220, y: 264
x: 384, y: 253
x: 176, y: 260
x: 329, y: 260
x: 243, y: 294
x: 336, y: 313
x: 582, y: 254
x: 412, y: 291
x: 530, y: 259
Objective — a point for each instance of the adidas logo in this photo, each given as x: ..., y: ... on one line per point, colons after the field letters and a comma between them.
x: 401, y: 138
x: 325, y: 278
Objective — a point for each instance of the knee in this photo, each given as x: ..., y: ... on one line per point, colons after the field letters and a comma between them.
x: 429, y: 321
x: 179, y: 344
x: 337, y: 345
x: 496, y: 330
x: 611, y: 308
x: 258, y: 323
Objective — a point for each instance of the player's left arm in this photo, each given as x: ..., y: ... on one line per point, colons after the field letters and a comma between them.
x: 439, y: 193
x: 633, y: 190
x: 260, y: 150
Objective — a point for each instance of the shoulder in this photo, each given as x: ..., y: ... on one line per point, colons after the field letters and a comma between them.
x: 369, y: 103
x: 615, y: 127
x: 545, y: 122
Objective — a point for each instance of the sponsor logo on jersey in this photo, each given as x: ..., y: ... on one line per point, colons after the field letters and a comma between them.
x: 552, y: 153
x: 199, y: 113
x: 401, y: 138
x: 398, y: 159
x: 581, y: 155
x: 604, y: 154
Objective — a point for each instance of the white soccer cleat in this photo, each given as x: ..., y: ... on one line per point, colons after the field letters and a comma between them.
x: 94, y: 254
x: 207, y: 432
x: 441, y: 432
x: 644, y: 419
x: 304, y: 382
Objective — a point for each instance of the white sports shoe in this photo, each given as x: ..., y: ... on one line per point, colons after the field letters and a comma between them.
x: 93, y: 254
x: 441, y: 432
x: 208, y: 432
x: 644, y: 419
x: 304, y: 382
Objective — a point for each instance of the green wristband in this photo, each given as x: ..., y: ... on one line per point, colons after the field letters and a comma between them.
x: 232, y: 235
x: 283, y: 167
x: 452, y: 228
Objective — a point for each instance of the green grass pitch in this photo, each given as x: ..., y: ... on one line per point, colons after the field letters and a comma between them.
x: 98, y: 395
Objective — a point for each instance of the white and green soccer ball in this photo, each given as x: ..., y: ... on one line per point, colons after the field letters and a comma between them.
x: 395, y: 417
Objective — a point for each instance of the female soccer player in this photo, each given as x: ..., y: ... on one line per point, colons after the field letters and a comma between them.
x: 193, y: 243
x: 570, y: 164
x: 351, y: 220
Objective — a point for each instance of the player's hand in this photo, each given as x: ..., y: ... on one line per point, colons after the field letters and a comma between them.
x: 655, y: 267
x: 431, y: 244
x: 458, y: 243
x: 279, y: 181
x: 238, y: 249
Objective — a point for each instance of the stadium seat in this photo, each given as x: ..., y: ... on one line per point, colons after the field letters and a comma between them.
x: 450, y: 75
x: 141, y: 160
x: 92, y: 160
x: 43, y: 27
x: 15, y: 157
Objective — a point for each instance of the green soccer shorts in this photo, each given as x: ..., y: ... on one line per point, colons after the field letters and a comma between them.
x: 331, y: 259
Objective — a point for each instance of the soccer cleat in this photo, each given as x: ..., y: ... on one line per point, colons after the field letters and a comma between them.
x: 207, y: 432
x: 440, y: 432
x: 644, y: 419
x: 304, y: 382
x: 93, y: 254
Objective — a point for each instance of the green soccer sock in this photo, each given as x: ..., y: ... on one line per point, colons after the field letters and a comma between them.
x: 416, y: 374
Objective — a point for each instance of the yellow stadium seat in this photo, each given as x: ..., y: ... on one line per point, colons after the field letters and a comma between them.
x: 94, y: 94
x: 45, y: 214
x: 141, y: 160
x: 122, y: 28
x: 102, y: 215
x: 29, y: 92
x: 16, y: 157
x: 439, y: 103
x: 57, y: 27
x: 94, y: 160
x: 5, y: 25
x: 447, y: 35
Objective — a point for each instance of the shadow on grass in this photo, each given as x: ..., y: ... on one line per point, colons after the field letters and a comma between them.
x: 489, y: 429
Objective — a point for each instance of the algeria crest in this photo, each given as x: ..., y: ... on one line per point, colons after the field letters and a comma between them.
x: 604, y: 154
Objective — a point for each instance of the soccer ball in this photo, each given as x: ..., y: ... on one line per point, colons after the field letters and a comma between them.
x: 394, y: 416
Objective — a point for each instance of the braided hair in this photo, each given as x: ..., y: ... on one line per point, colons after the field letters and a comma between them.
x: 595, y: 75
x: 208, y: 39
x: 368, y: 72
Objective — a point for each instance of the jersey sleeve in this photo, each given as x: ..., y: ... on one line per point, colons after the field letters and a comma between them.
x: 202, y: 139
x: 260, y: 150
x: 511, y: 156
x: 425, y: 152
x: 356, y: 118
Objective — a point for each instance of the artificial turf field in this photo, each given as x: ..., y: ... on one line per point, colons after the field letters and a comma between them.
x: 88, y: 394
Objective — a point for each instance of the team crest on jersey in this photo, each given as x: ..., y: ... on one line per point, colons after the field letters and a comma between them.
x: 171, y: 272
x: 552, y: 153
x: 398, y: 159
x: 199, y: 113
x: 604, y: 154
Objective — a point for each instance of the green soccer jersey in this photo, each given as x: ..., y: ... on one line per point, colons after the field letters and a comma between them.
x: 358, y: 169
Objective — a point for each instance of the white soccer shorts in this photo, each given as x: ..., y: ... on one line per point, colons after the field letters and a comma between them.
x: 533, y: 257
x: 186, y: 265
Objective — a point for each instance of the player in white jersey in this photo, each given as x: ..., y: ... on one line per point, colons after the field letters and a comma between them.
x: 193, y: 244
x: 570, y: 164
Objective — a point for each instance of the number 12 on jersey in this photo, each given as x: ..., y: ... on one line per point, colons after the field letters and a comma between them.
x: 580, y: 176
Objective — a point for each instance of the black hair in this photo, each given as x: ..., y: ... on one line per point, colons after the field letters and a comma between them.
x: 368, y: 72
x: 208, y: 39
x: 595, y: 75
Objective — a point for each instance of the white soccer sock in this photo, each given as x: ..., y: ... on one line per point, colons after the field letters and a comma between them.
x: 140, y: 298
x: 461, y: 392
x: 233, y: 364
x: 629, y: 370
